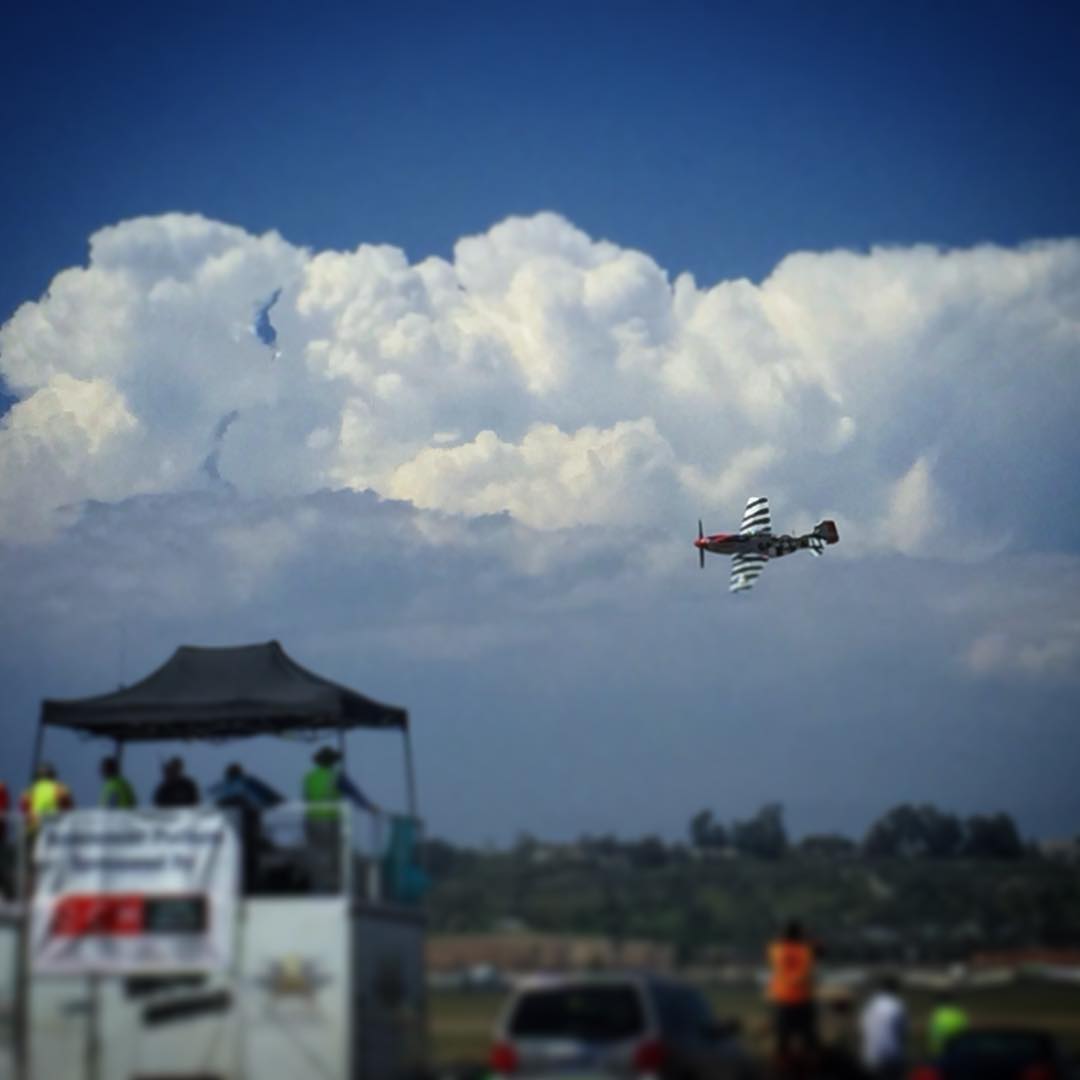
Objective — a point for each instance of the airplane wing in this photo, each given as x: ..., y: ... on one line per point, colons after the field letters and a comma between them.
x: 755, y: 517
x: 745, y: 570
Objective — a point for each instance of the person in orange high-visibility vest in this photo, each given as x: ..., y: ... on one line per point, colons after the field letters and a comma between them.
x: 791, y: 991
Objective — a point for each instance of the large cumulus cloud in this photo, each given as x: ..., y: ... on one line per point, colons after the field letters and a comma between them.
x: 469, y: 485
x: 541, y: 399
x: 560, y: 379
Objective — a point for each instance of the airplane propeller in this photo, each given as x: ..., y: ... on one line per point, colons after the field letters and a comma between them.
x: 701, y: 550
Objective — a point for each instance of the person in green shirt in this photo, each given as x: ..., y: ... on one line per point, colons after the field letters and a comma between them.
x: 320, y: 787
x: 947, y: 1019
x: 116, y: 792
x: 324, y: 787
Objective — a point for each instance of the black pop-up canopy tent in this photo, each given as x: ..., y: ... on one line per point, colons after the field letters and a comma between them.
x: 225, y: 693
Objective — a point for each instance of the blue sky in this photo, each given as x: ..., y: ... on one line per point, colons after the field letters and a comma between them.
x: 565, y: 164
x: 717, y: 137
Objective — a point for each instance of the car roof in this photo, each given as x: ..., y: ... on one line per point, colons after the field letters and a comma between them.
x: 540, y: 980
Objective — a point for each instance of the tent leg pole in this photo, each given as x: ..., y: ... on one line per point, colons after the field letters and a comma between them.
x: 39, y: 742
x: 93, y: 1028
x: 118, y: 753
x: 22, y: 1009
x: 344, y: 837
x: 410, y: 776
x: 24, y: 859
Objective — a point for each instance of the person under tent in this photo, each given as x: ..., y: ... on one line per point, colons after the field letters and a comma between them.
x: 176, y: 789
x: 247, y: 797
x: 116, y: 792
x: 44, y: 798
x: 324, y: 787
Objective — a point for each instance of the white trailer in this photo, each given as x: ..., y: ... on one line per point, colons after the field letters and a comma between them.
x: 328, y: 985
x: 322, y: 975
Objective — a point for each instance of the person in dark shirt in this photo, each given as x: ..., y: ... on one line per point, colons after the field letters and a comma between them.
x: 246, y: 797
x: 176, y: 787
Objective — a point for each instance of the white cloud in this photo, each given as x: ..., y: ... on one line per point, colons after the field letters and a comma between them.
x: 1025, y: 623
x: 65, y: 443
x: 1001, y: 655
x: 500, y: 458
x: 550, y: 480
x: 919, y: 394
x: 914, y: 511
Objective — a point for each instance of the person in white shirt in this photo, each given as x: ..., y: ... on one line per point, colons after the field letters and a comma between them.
x: 883, y: 1026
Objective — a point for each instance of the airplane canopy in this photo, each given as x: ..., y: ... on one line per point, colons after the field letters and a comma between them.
x: 222, y: 693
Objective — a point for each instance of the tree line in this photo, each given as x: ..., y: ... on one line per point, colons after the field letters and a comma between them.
x: 906, y: 831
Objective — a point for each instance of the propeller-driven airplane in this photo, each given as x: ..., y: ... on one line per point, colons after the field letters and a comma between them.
x: 754, y: 544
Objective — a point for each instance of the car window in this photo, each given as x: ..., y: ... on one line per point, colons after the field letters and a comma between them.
x: 584, y: 1012
x: 682, y: 1009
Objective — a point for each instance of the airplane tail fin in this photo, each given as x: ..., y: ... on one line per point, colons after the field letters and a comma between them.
x: 826, y: 530
x: 701, y: 550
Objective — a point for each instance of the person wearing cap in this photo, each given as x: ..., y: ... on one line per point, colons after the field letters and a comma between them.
x: 116, y: 792
x: 324, y: 786
x: 176, y: 787
x: 44, y: 798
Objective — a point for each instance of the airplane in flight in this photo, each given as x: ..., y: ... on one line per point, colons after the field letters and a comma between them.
x: 755, y: 543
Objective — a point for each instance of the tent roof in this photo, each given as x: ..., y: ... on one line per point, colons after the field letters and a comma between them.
x: 201, y: 693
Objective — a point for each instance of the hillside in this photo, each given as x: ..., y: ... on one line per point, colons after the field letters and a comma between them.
x: 727, y: 906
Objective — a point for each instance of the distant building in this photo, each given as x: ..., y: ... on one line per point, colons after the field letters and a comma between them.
x: 519, y: 952
x: 1067, y: 850
x: 1025, y: 958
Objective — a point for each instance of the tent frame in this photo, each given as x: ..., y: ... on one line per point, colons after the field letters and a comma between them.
x: 336, y: 708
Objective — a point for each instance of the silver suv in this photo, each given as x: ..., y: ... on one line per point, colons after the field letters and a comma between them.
x: 581, y: 1027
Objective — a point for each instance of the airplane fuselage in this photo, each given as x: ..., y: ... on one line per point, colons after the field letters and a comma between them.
x: 758, y: 544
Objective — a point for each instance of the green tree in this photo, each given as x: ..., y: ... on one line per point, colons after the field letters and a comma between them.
x: 992, y: 836
x: 763, y: 835
x: 942, y: 833
x: 827, y: 845
x: 914, y: 832
x: 440, y: 857
x: 706, y: 833
x: 647, y: 852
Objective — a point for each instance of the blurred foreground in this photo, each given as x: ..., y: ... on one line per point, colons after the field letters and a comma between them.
x: 462, y: 1021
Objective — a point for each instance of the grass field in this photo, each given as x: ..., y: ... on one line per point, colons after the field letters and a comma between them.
x: 461, y: 1022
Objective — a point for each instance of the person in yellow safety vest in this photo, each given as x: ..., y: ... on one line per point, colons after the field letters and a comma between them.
x: 45, y: 797
x: 324, y: 786
x: 791, y: 991
x: 947, y: 1019
x: 116, y: 792
x: 320, y: 788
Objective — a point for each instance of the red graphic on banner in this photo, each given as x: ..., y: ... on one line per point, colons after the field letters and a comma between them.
x: 114, y: 915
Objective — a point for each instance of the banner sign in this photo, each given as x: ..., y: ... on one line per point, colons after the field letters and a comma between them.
x: 134, y: 891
